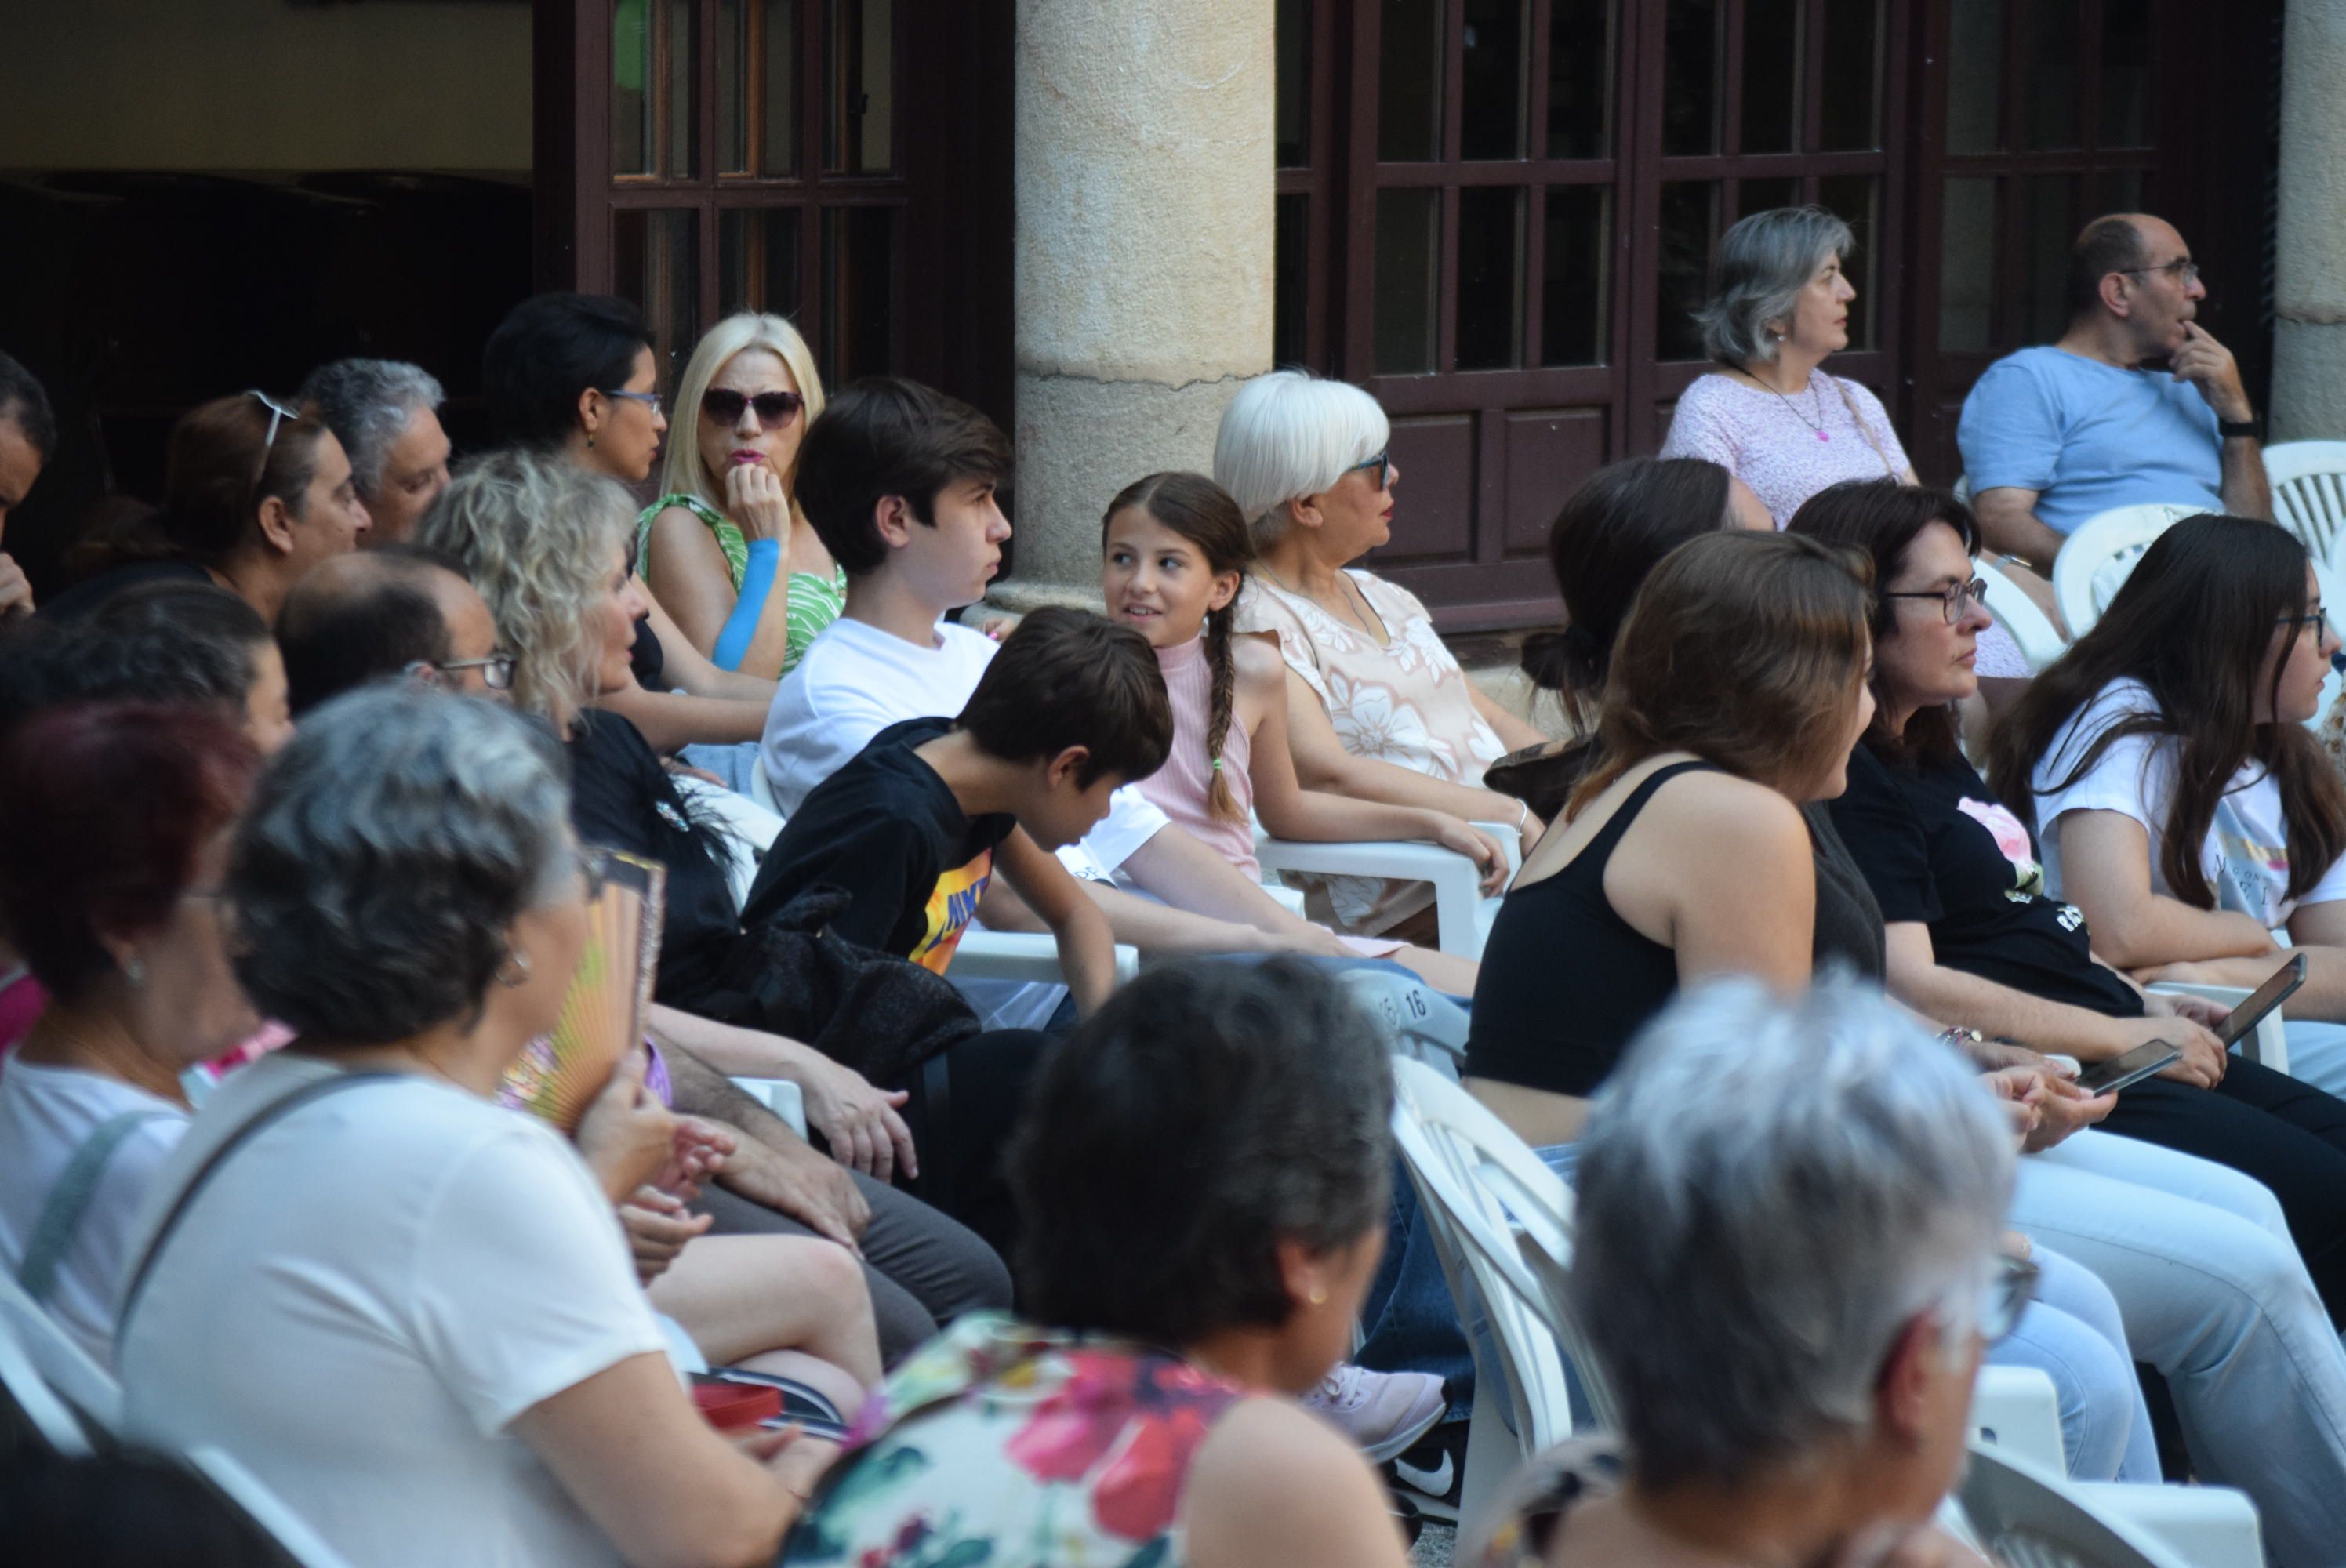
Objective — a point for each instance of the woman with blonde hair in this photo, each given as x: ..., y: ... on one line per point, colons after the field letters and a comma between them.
x: 728, y: 530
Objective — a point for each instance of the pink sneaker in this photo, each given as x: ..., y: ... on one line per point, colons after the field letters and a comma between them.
x: 1384, y: 1412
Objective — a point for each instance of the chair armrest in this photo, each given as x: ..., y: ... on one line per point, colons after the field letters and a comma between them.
x: 1032, y: 957
x: 1286, y: 898
x: 1457, y: 887
x: 2206, y: 1526
x: 2267, y: 1045
x: 779, y: 1096
x: 2016, y: 1408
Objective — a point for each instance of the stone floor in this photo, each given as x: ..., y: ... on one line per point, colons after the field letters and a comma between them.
x: 1434, y: 1545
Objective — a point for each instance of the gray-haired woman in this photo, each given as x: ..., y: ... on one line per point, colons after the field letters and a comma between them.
x: 403, y: 1306
x: 1793, y: 1379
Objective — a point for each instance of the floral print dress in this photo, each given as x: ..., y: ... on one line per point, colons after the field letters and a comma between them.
x: 812, y: 602
x: 1405, y: 700
x: 1002, y: 1445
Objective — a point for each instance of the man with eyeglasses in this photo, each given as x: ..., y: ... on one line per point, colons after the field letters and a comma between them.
x: 400, y: 609
x: 2135, y: 404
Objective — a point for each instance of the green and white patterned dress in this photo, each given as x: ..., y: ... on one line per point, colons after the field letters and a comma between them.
x: 813, y: 601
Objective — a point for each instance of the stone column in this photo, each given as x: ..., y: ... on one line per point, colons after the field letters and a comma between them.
x: 2309, y: 394
x: 1145, y: 147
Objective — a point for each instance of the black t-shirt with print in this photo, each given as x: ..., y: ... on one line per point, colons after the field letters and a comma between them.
x: 1937, y: 847
x: 886, y: 829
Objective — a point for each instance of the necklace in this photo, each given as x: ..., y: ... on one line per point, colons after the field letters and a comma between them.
x: 1817, y: 393
x: 1350, y: 612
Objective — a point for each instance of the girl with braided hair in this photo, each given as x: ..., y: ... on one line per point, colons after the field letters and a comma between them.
x: 1176, y: 550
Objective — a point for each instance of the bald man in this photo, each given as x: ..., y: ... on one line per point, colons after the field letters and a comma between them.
x: 400, y: 609
x: 2135, y: 403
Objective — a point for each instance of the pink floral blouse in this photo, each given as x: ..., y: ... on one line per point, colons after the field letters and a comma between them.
x: 1404, y: 701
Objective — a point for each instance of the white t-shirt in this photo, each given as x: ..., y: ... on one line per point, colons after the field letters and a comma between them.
x: 366, y: 1294
x: 2248, y: 843
x: 46, y: 1114
x: 855, y: 680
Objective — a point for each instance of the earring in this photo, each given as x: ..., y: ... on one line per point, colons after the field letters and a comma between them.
x: 1317, y: 1295
x: 134, y: 971
x: 518, y: 962
x: 590, y: 444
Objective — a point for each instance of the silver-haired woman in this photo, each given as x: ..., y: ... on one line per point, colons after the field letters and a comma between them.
x: 1378, y: 709
x: 1793, y: 1381
x: 1770, y: 414
x: 403, y: 1306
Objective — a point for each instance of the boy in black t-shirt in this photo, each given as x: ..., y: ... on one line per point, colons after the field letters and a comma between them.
x: 1072, y: 708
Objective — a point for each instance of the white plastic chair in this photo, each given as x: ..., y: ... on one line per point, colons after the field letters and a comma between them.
x: 1462, y: 913
x: 779, y: 1096
x: 52, y: 1420
x: 2308, y: 491
x: 265, y: 1508
x: 2095, y: 559
x: 2029, y: 1517
x: 88, y: 1389
x: 2040, y: 640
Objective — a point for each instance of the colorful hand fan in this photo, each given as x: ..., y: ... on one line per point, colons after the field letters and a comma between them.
x: 558, y: 1074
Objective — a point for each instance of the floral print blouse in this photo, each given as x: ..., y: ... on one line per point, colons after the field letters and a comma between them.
x: 812, y: 602
x: 1404, y: 701
x: 1003, y: 1445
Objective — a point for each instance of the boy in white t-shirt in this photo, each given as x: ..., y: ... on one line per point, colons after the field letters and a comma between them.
x: 899, y: 482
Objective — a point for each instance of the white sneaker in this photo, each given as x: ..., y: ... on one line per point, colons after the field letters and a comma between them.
x: 1384, y: 1412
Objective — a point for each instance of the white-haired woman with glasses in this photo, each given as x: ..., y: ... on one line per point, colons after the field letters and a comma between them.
x: 1378, y: 709
x: 1770, y: 414
x: 255, y: 492
x: 1793, y: 1379
x: 727, y: 548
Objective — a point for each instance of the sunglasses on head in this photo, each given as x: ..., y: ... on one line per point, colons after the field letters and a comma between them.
x: 775, y: 409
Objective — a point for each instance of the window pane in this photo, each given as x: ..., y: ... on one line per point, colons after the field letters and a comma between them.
x: 1967, y: 266
x: 656, y: 262
x: 1771, y: 75
x: 859, y: 292
x: 1409, y: 266
x: 631, y: 69
x: 757, y: 260
x: 859, y: 135
x: 1490, y: 277
x: 1575, y: 311
x: 1408, y: 81
x: 2125, y: 75
x: 1690, y: 87
x: 1292, y: 34
x: 1849, y: 117
x: 1689, y: 223
x: 680, y: 143
x: 756, y: 82
x: 1494, y: 89
x: 1290, y: 286
x: 1975, y: 77
x: 1856, y: 198
x: 1580, y: 78
x: 2052, y: 73
x: 1764, y: 194
x: 2049, y: 223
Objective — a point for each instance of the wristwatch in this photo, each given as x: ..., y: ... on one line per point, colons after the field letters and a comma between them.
x: 2230, y: 429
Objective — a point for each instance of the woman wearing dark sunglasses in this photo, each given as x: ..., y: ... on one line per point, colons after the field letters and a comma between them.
x: 727, y: 548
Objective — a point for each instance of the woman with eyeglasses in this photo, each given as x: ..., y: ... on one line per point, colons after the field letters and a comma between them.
x: 1378, y: 709
x: 255, y: 492
x: 2183, y: 805
x: 741, y: 567
x: 574, y: 377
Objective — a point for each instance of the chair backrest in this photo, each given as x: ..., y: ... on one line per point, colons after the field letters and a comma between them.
x: 48, y: 1414
x: 2025, y: 1516
x: 291, y: 1532
x: 2040, y: 640
x: 2308, y: 491
x: 60, y: 1362
x: 1425, y: 1024
x: 2096, y: 560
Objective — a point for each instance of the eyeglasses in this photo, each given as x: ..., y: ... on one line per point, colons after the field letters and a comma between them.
x: 2006, y: 1296
x: 496, y: 670
x: 2183, y: 270
x: 2315, y: 620
x: 1381, y: 462
x: 775, y: 409
x: 650, y: 399
x: 1953, y: 601
x: 277, y: 415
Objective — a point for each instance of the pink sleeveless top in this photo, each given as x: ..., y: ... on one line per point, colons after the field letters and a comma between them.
x: 1179, y: 788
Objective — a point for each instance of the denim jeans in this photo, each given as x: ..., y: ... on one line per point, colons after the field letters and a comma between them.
x: 1408, y: 1320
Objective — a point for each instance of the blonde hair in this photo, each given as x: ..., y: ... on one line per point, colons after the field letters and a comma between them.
x: 535, y: 535
x: 682, y: 472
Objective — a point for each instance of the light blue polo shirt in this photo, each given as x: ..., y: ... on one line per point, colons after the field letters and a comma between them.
x: 2086, y: 436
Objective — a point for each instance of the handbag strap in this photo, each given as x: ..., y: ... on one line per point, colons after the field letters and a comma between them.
x: 1864, y: 428
x: 275, y: 1110
x: 68, y: 1200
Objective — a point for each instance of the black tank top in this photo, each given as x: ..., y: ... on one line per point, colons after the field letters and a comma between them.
x: 1566, y: 981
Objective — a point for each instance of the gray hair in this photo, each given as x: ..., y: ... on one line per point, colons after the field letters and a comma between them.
x: 1767, y: 1191
x: 1290, y: 434
x: 1764, y: 262
x: 368, y: 404
x: 385, y: 852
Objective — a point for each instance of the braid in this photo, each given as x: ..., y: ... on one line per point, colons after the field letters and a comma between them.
x: 1219, y: 802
